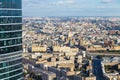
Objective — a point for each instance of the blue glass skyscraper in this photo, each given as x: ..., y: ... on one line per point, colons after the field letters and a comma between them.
x: 11, y: 40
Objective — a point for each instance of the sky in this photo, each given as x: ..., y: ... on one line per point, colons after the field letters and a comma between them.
x: 44, y: 8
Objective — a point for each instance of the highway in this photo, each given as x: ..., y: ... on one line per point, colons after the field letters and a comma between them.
x: 97, y: 69
x: 104, y: 54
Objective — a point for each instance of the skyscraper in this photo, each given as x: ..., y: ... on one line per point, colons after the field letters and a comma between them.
x: 10, y: 40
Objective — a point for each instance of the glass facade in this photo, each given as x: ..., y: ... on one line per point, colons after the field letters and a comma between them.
x: 11, y: 40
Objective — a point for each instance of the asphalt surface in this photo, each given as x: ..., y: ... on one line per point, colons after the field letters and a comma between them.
x: 97, y: 69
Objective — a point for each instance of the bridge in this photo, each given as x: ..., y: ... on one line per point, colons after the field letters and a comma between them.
x: 104, y: 54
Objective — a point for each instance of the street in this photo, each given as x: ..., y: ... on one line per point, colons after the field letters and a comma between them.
x: 97, y: 69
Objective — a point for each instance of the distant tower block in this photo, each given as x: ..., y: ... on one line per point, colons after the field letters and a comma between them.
x: 70, y: 34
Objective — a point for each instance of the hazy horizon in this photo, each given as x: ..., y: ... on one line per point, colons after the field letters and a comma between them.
x: 71, y: 8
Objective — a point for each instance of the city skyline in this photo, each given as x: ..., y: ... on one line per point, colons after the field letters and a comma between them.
x: 71, y: 8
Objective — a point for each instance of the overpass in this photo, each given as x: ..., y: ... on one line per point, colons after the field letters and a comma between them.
x: 104, y: 54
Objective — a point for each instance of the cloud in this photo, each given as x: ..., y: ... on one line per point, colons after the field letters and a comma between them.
x: 63, y: 2
x: 101, y: 7
x: 107, y: 1
x: 34, y: 3
x: 47, y: 2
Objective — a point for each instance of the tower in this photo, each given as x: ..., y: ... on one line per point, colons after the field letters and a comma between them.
x: 11, y: 40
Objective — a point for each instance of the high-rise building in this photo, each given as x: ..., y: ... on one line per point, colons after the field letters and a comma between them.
x: 11, y: 40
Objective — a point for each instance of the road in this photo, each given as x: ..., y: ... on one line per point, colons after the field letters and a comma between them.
x: 97, y: 69
x: 103, y: 54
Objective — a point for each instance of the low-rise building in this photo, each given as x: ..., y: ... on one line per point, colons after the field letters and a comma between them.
x: 111, y: 68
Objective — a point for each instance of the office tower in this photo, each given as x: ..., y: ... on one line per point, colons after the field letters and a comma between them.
x: 10, y: 40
